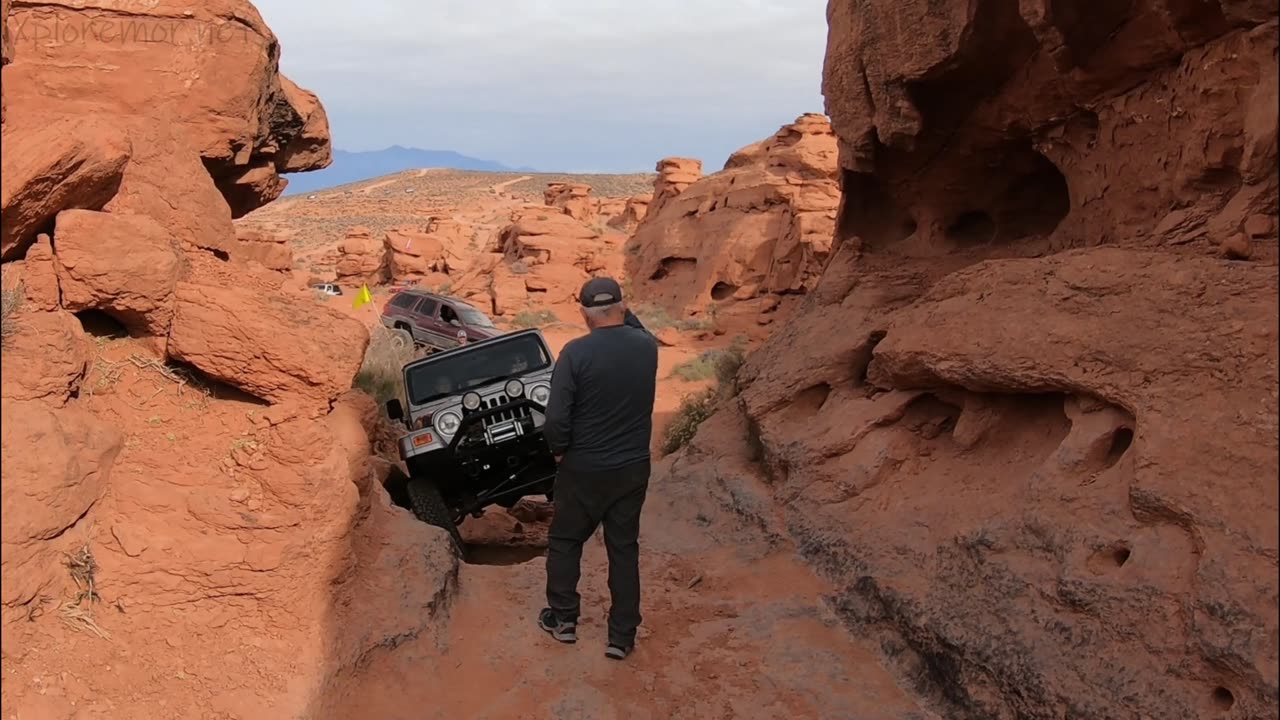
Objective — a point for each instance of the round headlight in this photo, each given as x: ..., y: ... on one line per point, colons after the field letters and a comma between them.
x: 447, y: 423
x: 540, y: 394
x: 471, y: 401
x: 514, y: 388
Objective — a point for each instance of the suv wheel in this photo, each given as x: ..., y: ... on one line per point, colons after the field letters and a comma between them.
x: 428, y: 506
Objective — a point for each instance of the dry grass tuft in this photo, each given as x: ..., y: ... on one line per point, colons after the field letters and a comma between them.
x: 13, y: 297
x: 722, y: 364
x: 78, y: 613
x: 384, y: 360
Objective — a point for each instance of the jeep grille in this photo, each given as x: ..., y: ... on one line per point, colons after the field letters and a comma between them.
x: 511, y: 414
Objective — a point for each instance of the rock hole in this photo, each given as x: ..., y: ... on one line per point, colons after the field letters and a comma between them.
x: 101, y: 325
x: 222, y: 255
x: 1036, y: 201
x: 1120, y: 555
x: 1121, y: 440
x: 811, y: 399
x: 972, y: 228
x: 1223, y: 699
x: 723, y: 291
x: 868, y: 212
x: 862, y: 357
x: 931, y: 417
x: 672, y: 266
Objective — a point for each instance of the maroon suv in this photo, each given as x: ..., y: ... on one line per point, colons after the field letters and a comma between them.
x: 436, y: 320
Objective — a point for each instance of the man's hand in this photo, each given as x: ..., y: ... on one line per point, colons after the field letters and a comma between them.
x: 559, y: 458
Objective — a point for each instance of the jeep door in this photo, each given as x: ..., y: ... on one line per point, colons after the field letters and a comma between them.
x: 450, y: 323
x: 426, y: 326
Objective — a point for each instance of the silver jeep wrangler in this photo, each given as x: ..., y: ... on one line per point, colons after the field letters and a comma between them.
x: 473, y: 419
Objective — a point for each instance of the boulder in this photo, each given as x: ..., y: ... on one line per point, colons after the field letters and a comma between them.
x: 46, y: 358
x: 69, y: 163
x: 270, y: 346
x: 124, y: 265
x: 310, y: 148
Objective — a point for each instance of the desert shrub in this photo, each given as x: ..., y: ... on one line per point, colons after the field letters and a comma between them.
x: 654, y: 317
x: 719, y: 363
x: 694, y: 409
x: 13, y: 297
x: 534, y: 318
x: 722, y: 364
x: 380, y: 373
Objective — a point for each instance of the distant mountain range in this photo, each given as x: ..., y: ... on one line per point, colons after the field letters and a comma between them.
x: 349, y: 167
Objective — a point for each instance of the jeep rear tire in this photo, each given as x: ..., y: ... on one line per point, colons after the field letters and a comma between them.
x: 428, y: 506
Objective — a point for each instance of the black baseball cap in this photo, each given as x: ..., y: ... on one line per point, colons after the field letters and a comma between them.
x: 600, y: 291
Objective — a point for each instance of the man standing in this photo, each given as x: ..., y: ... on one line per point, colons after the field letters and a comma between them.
x: 599, y: 426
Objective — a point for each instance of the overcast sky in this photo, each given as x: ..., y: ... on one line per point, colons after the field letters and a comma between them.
x: 557, y: 85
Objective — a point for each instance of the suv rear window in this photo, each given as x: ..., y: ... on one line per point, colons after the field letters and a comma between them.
x: 403, y: 300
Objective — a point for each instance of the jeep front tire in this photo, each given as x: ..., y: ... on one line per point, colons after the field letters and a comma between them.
x: 428, y: 506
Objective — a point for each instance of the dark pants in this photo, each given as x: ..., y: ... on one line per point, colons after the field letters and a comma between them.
x: 582, y: 502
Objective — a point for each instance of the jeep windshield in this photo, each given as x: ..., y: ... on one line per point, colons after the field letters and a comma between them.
x: 455, y: 373
x: 474, y: 318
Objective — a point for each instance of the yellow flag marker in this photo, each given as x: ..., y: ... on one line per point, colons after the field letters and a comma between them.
x: 364, y: 297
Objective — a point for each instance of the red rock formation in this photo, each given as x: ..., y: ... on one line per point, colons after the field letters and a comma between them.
x: 210, y: 520
x: 633, y: 212
x: 124, y: 265
x: 140, y: 65
x: 362, y: 258
x: 1034, y: 467
x: 674, y: 175
x: 762, y: 225
x: 574, y: 199
x: 268, y: 250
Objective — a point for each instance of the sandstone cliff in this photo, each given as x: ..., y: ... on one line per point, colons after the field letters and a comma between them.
x: 761, y: 225
x: 191, y: 509
x: 1026, y: 420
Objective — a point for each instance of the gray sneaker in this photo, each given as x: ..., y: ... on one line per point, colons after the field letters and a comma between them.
x: 562, y: 630
x: 617, y: 652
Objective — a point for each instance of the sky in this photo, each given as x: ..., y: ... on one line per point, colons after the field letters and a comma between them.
x: 556, y: 85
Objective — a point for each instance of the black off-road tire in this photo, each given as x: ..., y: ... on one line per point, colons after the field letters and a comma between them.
x: 428, y: 506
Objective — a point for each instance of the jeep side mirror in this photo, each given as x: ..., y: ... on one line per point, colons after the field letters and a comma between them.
x: 395, y: 410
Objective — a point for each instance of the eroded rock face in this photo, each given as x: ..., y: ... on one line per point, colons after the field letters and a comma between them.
x: 272, y: 347
x: 764, y: 224
x: 70, y: 163
x: 269, y: 250
x: 124, y: 265
x: 989, y: 432
x: 57, y: 464
x: 140, y: 64
x: 362, y: 258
